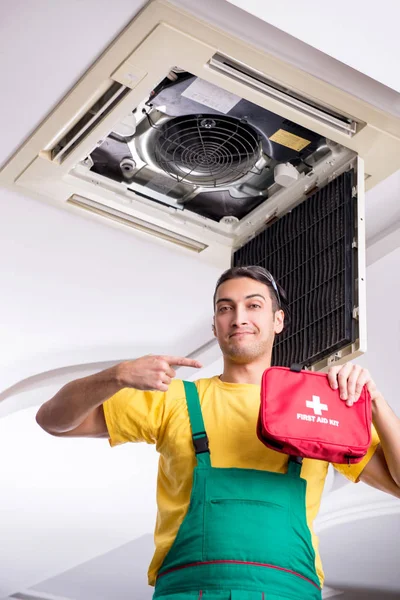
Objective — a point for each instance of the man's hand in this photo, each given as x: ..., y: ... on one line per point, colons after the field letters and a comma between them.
x: 152, y: 372
x: 383, y: 469
x: 350, y: 379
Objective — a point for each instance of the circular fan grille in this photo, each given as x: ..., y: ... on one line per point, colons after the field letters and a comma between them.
x: 207, y: 150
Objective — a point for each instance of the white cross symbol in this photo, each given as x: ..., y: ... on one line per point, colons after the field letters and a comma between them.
x: 316, y: 405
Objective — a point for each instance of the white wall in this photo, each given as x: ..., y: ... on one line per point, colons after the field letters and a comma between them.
x: 383, y: 314
x: 74, y: 291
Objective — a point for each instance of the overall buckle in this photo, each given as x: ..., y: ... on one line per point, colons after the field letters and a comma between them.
x: 200, y: 442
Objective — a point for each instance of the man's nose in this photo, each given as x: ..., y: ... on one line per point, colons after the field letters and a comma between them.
x: 240, y: 317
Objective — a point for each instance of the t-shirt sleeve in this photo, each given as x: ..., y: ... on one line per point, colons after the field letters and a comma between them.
x: 354, y: 471
x: 136, y: 416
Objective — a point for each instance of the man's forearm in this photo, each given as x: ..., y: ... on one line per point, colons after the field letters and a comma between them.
x: 387, y: 425
x: 73, y: 403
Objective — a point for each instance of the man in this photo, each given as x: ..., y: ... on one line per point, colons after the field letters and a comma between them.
x: 234, y: 517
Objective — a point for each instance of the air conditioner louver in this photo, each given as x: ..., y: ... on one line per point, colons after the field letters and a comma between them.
x: 136, y: 223
x: 274, y: 90
x: 102, y: 107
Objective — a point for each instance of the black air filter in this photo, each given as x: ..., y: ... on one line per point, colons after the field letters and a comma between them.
x: 309, y: 251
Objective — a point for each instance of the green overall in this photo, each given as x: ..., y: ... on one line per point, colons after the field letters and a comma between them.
x: 245, y: 535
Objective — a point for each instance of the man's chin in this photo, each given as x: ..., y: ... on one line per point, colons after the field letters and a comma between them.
x: 242, y: 354
x: 241, y: 359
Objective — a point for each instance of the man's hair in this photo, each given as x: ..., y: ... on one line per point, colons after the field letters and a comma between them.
x: 276, y: 292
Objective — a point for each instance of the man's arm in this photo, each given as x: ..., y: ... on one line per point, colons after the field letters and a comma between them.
x: 76, y: 410
x: 383, y: 470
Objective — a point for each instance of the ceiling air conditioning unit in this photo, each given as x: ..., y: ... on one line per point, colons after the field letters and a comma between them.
x: 185, y: 133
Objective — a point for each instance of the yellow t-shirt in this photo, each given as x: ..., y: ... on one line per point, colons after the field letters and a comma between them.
x: 230, y: 412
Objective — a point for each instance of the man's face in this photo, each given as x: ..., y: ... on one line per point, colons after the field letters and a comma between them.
x: 244, y: 322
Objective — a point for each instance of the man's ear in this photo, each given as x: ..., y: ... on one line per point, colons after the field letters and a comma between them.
x: 279, y: 321
x: 213, y: 328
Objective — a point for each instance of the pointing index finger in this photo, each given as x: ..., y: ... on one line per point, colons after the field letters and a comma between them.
x: 181, y: 361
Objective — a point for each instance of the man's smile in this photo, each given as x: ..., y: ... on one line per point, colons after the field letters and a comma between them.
x: 241, y: 333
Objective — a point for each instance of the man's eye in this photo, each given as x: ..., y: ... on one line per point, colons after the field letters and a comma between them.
x: 255, y: 306
x: 223, y: 308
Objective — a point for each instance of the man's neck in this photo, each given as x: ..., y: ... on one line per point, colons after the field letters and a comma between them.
x: 246, y: 373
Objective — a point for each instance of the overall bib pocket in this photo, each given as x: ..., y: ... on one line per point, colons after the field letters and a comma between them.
x: 248, y: 527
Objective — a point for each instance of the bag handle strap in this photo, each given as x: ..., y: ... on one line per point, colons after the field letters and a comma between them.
x: 294, y: 466
x: 295, y: 462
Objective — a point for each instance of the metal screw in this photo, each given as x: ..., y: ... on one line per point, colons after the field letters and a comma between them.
x: 208, y: 123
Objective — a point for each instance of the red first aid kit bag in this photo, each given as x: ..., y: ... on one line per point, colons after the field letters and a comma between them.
x: 301, y: 415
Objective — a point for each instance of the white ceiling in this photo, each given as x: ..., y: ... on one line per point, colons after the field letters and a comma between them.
x: 358, y: 34
x: 77, y: 293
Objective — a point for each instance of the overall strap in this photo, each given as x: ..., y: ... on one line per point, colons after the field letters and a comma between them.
x: 294, y: 466
x: 199, y: 436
